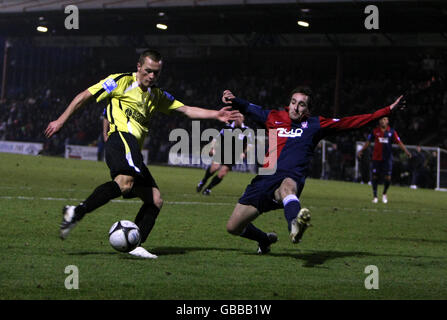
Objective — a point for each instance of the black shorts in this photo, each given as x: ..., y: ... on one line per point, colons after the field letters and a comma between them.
x: 123, y: 156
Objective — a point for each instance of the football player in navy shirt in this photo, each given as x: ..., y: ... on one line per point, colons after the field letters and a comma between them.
x: 296, y: 134
x: 220, y: 164
x: 382, y: 158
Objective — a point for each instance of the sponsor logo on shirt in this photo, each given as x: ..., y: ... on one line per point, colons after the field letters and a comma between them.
x: 109, y: 85
x: 138, y: 117
x: 293, y: 133
x: 383, y: 140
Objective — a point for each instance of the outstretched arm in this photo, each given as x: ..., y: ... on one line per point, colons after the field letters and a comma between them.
x: 358, y: 121
x: 105, y: 129
x: 256, y: 112
x: 54, y: 126
x: 404, y: 149
x: 400, y: 144
x: 224, y: 115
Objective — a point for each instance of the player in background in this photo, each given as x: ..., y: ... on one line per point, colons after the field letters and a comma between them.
x: 418, y: 165
x: 218, y: 152
x: 132, y: 98
x: 297, y: 134
x: 382, y: 159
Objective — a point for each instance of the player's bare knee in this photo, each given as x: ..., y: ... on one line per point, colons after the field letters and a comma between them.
x: 214, y: 167
x: 288, y: 186
x: 158, y: 202
x: 156, y: 197
x: 233, y: 229
x: 223, y: 172
x: 125, y: 183
x: 285, y: 192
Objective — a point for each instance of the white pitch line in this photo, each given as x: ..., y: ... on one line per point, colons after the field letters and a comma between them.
x: 330, y: 208
x: 89, y: 190
x: 117, y: 201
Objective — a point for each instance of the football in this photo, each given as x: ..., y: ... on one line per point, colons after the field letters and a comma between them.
x: 124, y: 236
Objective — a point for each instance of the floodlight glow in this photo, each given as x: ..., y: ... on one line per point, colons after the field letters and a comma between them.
x: 303, y: 23
x: 42, y: 29
x: 162, y: 26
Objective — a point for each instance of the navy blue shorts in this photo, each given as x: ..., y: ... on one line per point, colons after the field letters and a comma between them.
x: 260, y: 192
x: 384, y: 167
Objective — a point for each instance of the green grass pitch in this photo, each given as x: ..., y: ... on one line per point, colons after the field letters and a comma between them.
x: 406, y: 239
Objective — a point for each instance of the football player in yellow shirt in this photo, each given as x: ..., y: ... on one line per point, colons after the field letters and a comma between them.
x: 132, y: 100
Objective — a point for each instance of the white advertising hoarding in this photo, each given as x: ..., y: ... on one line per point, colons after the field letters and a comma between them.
x: 21, y: 147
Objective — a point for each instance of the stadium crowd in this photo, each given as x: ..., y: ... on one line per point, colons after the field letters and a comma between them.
x: 24, y: 115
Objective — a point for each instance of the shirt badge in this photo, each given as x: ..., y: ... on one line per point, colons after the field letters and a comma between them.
x: 109, y: 85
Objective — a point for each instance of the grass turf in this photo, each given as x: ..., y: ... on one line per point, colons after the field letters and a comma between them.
x: 406, y: 239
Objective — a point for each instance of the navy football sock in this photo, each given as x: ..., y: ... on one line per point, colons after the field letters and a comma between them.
x: 102, y: 194
x: 386, y: 185
x: 291, y: 208
x: 374, y: 182
x: 253, y: 233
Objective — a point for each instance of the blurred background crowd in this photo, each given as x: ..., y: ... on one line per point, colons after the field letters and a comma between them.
x: 39, y: 91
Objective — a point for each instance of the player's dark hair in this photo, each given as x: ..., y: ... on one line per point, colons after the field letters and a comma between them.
x: 151, y: 53
x: 303, y: 90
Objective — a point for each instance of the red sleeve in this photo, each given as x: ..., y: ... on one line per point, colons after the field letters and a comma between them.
x: 396, y: 137
x: 353, y: 122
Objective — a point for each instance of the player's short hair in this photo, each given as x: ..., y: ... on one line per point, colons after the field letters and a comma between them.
x: 151, y: 53
x: 303, y: 90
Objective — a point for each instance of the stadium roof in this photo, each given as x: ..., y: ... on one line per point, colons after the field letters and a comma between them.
x: 125, y: 17
x: 8, y: 6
